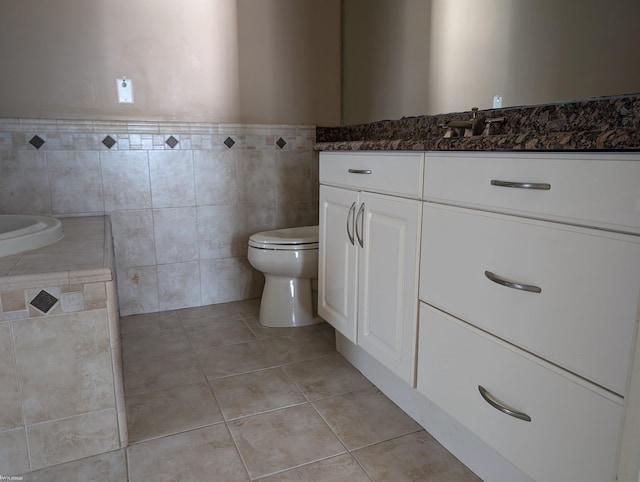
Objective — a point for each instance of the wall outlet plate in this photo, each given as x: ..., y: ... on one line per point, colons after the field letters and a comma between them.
x: 124, y: 88
x: 497, y: 101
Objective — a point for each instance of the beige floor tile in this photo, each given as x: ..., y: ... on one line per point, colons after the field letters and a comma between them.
x: 342, y: 468
x: 326, y: 376
x: 417, y: 456
x: 262, y: 331
x: 149, y: 322
x: 248, y: 308
x: 167, y: 400
x: 111, y: 466
x: 159, y: 373
x: 154, y: 345
x: 170, y: 411
x: 209, y: 312
x: 255, y: 392
x: 206, y: 333
x: 283, y: 439
x: 365, y: 417
x: 293, y: 348
x: 222, y: 361
x: 206, y: 454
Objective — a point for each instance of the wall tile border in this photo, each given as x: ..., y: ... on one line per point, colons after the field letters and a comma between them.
x: 149, y: 135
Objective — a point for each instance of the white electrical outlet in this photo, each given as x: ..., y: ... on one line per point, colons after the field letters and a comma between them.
x: 125, y: 90
x: 497, y: 101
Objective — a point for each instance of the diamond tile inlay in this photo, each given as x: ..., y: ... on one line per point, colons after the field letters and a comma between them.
x: 172, y: 142
x: 281, y: 143
x: 36, y: 141
x: 109, y: 141
x: 229, y: 142
x: 44, y: 301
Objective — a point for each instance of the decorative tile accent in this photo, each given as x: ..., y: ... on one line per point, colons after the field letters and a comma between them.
x: 109, y: 141
x: 44, y: 301
x: 36, y: 141
x: 229, y: 142
x: 172, y: 142
x: 281, y: 143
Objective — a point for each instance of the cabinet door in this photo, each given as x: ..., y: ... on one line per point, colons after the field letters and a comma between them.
x: 338, y: 264
x: 388, y: 274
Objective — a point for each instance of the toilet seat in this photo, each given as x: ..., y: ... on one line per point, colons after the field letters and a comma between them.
x: 290, y: 239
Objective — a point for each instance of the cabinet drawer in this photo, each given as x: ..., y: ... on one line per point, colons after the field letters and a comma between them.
x: 594, y: 189
x: 383, y: 172
x: 573, y: 432
x: 584, y: 317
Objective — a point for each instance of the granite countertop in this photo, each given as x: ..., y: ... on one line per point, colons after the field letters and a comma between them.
x: 605, y: 123
x: 83, y: 255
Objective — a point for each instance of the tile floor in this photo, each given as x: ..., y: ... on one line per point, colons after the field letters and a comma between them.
x: 211, y: 395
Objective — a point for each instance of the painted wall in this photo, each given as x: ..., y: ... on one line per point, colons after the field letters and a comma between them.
x: 266, y: 61
x: 529, y: 52
x: 385, y: 59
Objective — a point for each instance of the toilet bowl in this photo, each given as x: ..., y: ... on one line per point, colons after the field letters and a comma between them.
x: 288, y: 258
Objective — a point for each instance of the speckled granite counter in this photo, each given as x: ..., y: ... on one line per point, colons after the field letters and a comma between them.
x: 607, y: 123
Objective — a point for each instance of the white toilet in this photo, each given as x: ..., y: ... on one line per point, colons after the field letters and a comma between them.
x: 288, y: 258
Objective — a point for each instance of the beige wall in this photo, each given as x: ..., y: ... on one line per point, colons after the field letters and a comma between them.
x: 249, y: 61
x: 529, y: 52
x: 385, y: 59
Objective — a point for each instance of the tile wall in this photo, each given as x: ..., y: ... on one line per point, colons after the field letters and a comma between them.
x: 183, y: 197
x: 61, y: 375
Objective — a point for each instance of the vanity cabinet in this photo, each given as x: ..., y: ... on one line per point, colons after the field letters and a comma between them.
x: 529, y: 289
x: 370, y: 218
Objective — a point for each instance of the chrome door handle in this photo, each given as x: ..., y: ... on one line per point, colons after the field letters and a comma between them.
x: 359, y: 236
x: 360, y: 171
x: 512, y: 284
x: 541, y: 186
x: 498, y: 406
x: 349, y: 234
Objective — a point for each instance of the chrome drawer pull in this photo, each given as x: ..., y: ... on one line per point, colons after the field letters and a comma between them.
x: 350, y: 234
x: 541, y: 186
x: 360, y: 237
x: 360, y: 171
x: 511, y: 284
x: 489, y: 399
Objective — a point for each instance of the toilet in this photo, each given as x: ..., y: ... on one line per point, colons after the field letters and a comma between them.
x: 288, y: 258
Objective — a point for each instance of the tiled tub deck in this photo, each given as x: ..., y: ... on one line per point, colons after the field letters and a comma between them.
x: 62, y: 395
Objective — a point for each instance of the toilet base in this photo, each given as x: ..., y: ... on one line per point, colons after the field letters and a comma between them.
x: 286, y: 302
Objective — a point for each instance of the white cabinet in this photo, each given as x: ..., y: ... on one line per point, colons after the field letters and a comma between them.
x: 575, y: 320
x: 531, y: 290
x: 368, y: 275
x: 338, y: 260
x: 587, y: 189
x: 572, y: 428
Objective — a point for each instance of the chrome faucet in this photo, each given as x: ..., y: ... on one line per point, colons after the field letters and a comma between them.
x: 476, y: 126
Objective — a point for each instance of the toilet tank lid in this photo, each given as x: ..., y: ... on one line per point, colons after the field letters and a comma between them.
x: 303, y: 235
